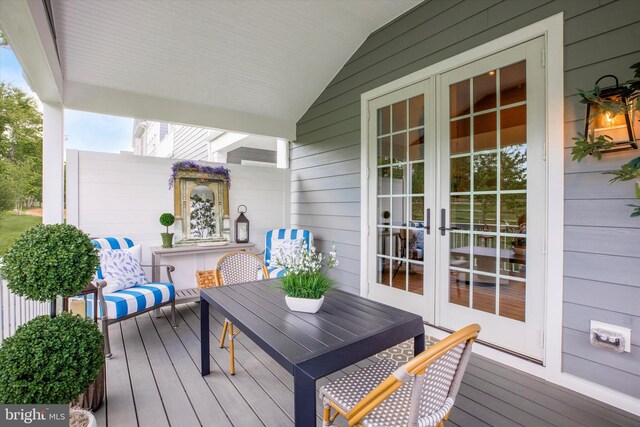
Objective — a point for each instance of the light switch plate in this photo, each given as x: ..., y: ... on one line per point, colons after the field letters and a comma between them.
x: 625, y: 332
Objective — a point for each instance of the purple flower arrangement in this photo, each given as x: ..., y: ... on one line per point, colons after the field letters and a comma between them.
x: 190, y: 164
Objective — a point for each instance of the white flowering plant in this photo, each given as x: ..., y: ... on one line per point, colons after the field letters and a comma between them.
x: 306, y: 270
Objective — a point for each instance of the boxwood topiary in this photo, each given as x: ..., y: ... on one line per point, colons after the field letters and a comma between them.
x: 49, y: 261
x: 50, y: 360
x: 167, y: 220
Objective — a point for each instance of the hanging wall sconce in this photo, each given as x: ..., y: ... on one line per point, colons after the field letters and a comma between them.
x: 242, y: 226
x: 615, y: 120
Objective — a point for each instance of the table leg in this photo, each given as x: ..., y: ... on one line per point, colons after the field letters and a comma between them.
x: 304, y: 395
x: 204, y: 337
x: 418, y: 344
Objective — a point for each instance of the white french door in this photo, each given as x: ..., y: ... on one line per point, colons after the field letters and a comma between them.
x: 402, y: 196
x: 464, y: 189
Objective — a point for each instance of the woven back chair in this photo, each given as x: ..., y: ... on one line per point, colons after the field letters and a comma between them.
x: 233, y: 268
x: 418, y: 393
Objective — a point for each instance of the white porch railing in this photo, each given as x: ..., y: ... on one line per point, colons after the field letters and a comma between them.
x: 16, y: 310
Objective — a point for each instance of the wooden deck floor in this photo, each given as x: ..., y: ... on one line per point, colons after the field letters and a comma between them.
x: 153, y: 379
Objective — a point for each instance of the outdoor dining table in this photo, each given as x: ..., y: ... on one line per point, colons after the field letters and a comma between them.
x: 347, y: 329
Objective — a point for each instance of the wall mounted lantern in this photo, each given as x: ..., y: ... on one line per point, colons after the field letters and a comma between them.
x: 610, y: 114
x: 242, y: 226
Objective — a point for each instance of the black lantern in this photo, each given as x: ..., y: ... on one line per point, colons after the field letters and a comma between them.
x: 617, y: 126
x: 242, y: 226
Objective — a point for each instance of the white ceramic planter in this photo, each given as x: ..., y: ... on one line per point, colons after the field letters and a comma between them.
x: 304, y: 305
x: 91, y: 422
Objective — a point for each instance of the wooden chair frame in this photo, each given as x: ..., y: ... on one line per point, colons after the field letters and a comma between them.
x: 416, y: 366
x: 228, y: 326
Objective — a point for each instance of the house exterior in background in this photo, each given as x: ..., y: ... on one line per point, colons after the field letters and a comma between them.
x: 594, y: 252
x: 157, y: 139
x: 435, y: 152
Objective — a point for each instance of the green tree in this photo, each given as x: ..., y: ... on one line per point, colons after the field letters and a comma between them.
x: 20, y: 145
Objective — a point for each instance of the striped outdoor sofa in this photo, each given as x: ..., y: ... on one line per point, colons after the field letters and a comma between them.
x: 126, y: 303
x: 283, y: 234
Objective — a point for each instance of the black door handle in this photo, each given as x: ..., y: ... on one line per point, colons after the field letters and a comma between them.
x: 428, y: 224
x: 443, y: 221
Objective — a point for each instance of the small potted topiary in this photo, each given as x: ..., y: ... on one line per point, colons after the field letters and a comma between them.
x: 167, y: 220
x: 52, y: 359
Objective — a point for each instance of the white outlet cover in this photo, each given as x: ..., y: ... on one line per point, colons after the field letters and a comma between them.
x: 625, y: 332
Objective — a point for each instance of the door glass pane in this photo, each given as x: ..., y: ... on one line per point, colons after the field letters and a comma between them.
x: 417, y: 210
x: 417, y: 177
x: 400, y: 147
x: 384, y: 120
x: 399, y: 116
x: 416, y: 111
x: 460, y: 174
x: 384, y: 241
x: 513, y: 168
x: 484, y: 132
x: 459, y: 249
x: 384, y: 150
x: 382, y: 271
x: 459, y: 287
x: 513, y: 256
x: 512, y: 299
x: 416, y: 144
x: 485, y: 172
x: 513, y: 213
x: 384, y: 211
x: 484, y: 253
x: 399, y: 211
x: 399, y: 275
x: 460, y: 136
x: 460, y: 212
x: 484, y: 212
x: 513, y: 83
x: 399, y: 179
x: 459, y: 99
x: 484, y: 91
x: 484, y: 293
x: 416, y: 278
x: 513, y: 126
x: 384, y: 181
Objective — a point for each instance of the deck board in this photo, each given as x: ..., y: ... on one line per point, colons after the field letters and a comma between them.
x: 154, y: 379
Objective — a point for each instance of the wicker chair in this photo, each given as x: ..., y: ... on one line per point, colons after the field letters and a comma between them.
x: 237, y: 267
x: 418, y: 393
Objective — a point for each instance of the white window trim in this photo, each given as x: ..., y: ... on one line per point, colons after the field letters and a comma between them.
x: 552, y: 29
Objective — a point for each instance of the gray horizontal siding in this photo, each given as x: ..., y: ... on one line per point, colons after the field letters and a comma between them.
x: 602, y: 263
x: 190, y: 142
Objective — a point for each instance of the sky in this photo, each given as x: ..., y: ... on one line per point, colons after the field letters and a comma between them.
x: 83, y: 131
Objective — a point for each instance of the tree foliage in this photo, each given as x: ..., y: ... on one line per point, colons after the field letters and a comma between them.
x: 20, y: 147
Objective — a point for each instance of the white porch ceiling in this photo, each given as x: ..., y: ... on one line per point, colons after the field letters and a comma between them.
x: 262, y: 59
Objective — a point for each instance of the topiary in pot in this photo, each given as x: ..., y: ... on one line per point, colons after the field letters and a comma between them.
x: 167, y: 220
x: 50, y: 360
x: 48, y: 261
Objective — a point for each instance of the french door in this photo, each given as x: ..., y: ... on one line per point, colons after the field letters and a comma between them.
x: 457, y: 178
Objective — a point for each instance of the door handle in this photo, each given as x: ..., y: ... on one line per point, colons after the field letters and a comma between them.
x: 443, y: 221
x: 427, y: 225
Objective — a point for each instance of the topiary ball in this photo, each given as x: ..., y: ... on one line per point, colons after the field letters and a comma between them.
x: 49, y: 261
x: 167, y: 219
x: 50, y: 360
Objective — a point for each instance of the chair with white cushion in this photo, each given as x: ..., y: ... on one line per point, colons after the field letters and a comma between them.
x: 117, y: 304
x: 419, y: 393
x: 283, y: 239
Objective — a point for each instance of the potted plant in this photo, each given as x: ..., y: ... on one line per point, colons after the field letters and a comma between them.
x: 167, y: 220
x: 52, y: 359
x: 305, y: 281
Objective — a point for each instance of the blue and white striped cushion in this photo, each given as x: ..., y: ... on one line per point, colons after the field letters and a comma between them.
x: 284, y: 234
x: 274, y: 272
x: 133, y: 300
x: 110, y: 243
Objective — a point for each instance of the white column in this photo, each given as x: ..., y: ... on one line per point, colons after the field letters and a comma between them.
x: 282, y: 156
x: 53, y: 163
